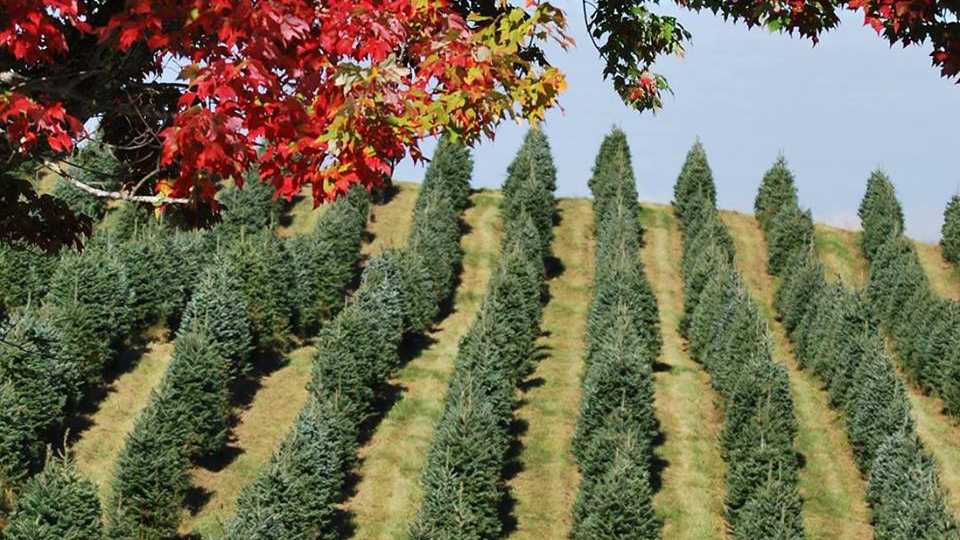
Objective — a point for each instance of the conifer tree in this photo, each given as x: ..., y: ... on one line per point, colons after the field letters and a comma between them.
x: 248, y: 209
x: 791, y: 231
x: 880, y: 213
x: 529, y: 187
x: 39, y: 381
x: 218, y: 308
x: 950, y: 233
x: 776, y: 191
x: 435, y: 236
x: 449, y: 174
x: 24, y: 275
x: 94, y: 165
x: 151, y: 476
x: 775, y: 511
x: 696, y: 179
x: 196, y: 386
x: 56, y: 503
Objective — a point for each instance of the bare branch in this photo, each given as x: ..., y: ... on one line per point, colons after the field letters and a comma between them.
x: 119, y: 195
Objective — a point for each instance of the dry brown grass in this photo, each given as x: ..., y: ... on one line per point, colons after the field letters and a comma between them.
x: 390, y: 223
x: 690, y: 499
x: 838, y: 249
x: 833, y: 492
x: 388, y: 493
x: 546, y: 485
x: 98, y: 446
x: 944, y: 277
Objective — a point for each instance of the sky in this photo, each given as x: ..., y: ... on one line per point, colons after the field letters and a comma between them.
x: 836, y: 111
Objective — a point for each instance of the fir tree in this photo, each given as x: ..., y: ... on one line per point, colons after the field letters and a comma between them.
x: 774, y: 512
x: 696, y: 179
x: 880, y: 213
x: 791, y: 231
x: 24, y: 275
x: 776, y: 191
x: 449, y: 175
x: 950, y: 233
x: 56, y: 503
x: 151, y: 476
x: 248, y: 209
x: 218, y: 308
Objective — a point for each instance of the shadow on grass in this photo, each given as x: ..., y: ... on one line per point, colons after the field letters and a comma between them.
x: 512, y: 466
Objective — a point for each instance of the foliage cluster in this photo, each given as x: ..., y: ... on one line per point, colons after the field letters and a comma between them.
x: 728, y: 335
x: 924, y: 326
x: 835, y: 333
x: 950, y: 233
x: 616, y: 429
x: 463, y: 478
x: 296, y: 495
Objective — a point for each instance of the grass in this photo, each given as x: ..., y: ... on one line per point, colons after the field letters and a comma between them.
x: 388, y: 493
x: 944, y: 277
x: 546, y: 485
x: 838, y: 250
x: 99, y: 445
x: 830, y: 483
x: 259, y: 429
x: 390, y: 223
x: 690, y: 499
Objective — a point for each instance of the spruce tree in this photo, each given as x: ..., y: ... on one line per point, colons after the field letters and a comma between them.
x: 529, y: 187
x: 248, y: 209
x: 449, y: 175
x: 39, y: 382
x: 196, y: 385
x: 774, y: 512
x: 950, y: 233
x: 56, y: 503
x: 950, y: 378
x: 218, y: 308
x: 151, y: 476
x: 696, y: 179
x: 880, y: 213
x: 791, y: 231
x: 776, y: 191
x: 435, y: 236
x: 24, y: 275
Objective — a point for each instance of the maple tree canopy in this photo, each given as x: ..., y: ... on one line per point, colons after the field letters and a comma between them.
x: 325, y: 93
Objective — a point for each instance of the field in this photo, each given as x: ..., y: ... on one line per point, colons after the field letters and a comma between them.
x: 385, y: 483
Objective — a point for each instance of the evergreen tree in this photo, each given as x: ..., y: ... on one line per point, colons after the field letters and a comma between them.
x: 39, y: 381
x: 24, y: 275
x: 449, y: 175
x: 774, y: 512
x: 56, y: 503
x: 880, y: 213
x: 950, y: 233
x: 776, y: 191
x: 94, y: 165
x: 791, y: 231
x: 295, y: 494
x: 435, y: 236
x: 950, y: 378
x: 151, y: 476
x: 218, y: 308
x: 529, y: 187
x: 696, y: 179
x: 249, y: 209
x: 196, y: 385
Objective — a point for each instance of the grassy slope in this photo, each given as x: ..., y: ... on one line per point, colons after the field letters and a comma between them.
x: 944, y: 276
x: 546, y: 485
x: 837, y: 249
x: 939, y: 432
x: 830, y: 483
x: 98, y: 446
x: 691, y: 496
x: 388, y: 493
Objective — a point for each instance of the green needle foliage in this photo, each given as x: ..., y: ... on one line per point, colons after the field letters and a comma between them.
x: 950, y: 233
x: 791, y: 231
x: 776, y: 191
x: 531, y: 181
x: 880, y: 214
x: 695, y: 180
x: 24, y: 275
x: 96, y: 166
x: 449, y: 174
x: 835, y: 333
x: 248, y: 209
x: 56, y: 503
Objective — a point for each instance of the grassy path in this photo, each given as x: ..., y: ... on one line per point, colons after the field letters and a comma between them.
x: 838, y: 249
x: 546, y: 486
x: 939, y: 433
x: 388, y: 493
x: 830, y: 483
x: 944, y: 277
x: 390, y: 223
x: 260, y: 428
x: 100, y: 444
x: 690, y: 499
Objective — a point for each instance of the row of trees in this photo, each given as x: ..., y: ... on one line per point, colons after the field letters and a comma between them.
x: 617, y: 428
x: 295, y: 495
x: 133, y: 273
x: 925, y: 327
x: 835, y: 333
x: 728, y: 335
x: 463, y: 478
x: 950, y: 233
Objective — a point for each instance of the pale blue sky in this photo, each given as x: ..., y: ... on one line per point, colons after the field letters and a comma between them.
x: 836, y: 111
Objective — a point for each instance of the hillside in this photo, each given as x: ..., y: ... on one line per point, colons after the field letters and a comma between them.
x: 544, y: 483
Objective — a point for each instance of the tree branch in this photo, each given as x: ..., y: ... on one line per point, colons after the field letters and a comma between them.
x: 119, y: 195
